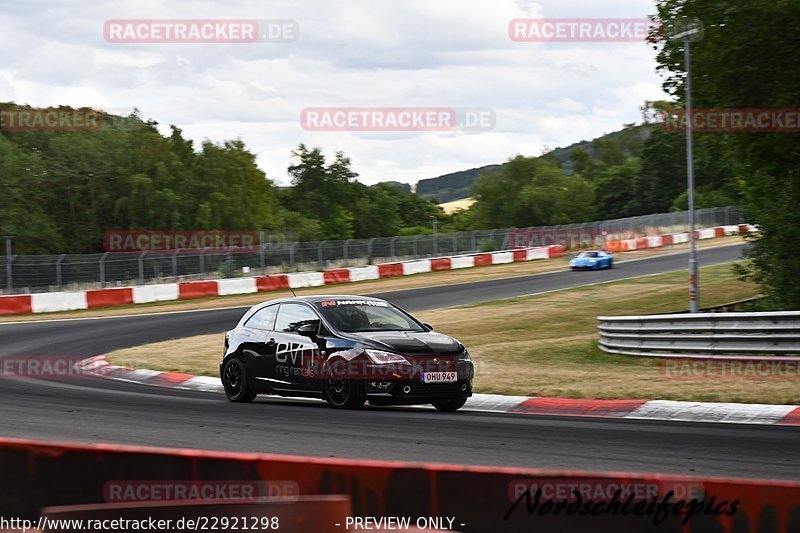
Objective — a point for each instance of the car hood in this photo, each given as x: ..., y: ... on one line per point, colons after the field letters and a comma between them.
x: 408, y: 342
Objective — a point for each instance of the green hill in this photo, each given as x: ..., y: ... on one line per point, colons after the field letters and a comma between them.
x: 457, y: 185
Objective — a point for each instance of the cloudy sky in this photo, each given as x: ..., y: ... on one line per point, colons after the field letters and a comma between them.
x: 350, y: 53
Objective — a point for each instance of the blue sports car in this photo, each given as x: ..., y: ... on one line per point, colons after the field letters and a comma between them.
x: 592, y: 260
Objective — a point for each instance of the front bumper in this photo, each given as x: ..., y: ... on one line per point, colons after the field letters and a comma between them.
x: 412, y: 390
x: 416, y: 392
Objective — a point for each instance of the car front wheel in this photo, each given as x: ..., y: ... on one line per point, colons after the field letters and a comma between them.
x: 448, y: 406
x: 343, y: 393
x: 236, y: 383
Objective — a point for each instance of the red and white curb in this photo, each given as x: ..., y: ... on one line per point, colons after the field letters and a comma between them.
x: 737, y: 413
x: 50, y: 302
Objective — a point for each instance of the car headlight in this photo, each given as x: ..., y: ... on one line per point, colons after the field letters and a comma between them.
x: 380, y: 357
x: 464, y: 356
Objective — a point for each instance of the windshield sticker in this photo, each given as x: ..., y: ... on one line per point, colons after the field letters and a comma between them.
x: 372, y: 303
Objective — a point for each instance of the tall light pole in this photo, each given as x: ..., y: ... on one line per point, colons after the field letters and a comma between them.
x: 694, y: 282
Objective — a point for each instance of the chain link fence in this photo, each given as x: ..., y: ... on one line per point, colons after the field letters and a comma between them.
x: 42, y: 273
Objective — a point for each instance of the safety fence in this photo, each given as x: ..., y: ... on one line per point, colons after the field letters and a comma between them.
x: 47, y: 302
x: 766, y: 335
x: 47, y: 273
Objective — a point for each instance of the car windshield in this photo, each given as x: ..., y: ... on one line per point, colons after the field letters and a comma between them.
x: 588, y: 254
x: 353, y: 316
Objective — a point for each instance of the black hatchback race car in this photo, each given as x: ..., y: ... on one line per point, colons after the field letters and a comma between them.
x: 346, y: 350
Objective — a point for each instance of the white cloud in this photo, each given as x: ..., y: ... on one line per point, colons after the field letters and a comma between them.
x: 356, y: 53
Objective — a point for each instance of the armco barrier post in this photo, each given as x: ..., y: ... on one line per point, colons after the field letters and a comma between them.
x: 102, y: 266
x: 504, y: 246
x: 141, y: 267
x: 344, y: 251
x: 369, y: 250
x: 60, y: 259
x: 9, y: 260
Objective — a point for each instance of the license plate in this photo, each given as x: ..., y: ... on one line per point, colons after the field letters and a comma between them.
x: 439, y: 377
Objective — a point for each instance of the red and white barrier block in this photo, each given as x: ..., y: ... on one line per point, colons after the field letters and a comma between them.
x: 71, y: 301
x: 657, y: 241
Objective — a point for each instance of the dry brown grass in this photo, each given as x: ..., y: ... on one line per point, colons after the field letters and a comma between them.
x: 544, y: 345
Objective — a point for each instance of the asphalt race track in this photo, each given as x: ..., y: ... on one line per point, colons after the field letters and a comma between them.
x: 96, y: 410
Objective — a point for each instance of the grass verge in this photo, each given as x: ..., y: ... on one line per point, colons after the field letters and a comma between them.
x: 545, y: 345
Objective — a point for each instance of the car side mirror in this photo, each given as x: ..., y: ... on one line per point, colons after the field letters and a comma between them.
x: 427, y: 326
x: 307, y: 330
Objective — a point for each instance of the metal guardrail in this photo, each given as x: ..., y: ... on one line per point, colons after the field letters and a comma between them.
x: 701, y: 334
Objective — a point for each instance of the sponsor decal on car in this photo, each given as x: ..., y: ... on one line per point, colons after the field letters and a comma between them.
x: 373, y: 303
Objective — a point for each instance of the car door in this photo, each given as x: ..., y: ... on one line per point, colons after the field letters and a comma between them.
x: 296, y: 356
x: 260, y: 345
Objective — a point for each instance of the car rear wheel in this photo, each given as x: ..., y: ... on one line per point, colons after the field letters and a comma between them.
x: 236, y: 383
x: 448, y: 406
x: 343, y: 393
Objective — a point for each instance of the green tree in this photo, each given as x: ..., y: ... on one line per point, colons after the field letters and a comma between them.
x: 615, y: 196
x: 531, y: 192
x: 745, y: 60
x: 377, y: 212
x: 22, y: 204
